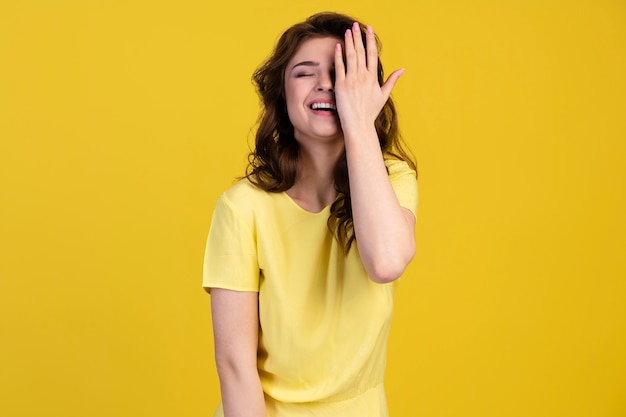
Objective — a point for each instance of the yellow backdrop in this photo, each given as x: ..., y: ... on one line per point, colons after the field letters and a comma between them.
x: 122, y: 121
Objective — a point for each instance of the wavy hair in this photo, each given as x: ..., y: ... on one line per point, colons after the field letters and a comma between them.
x: 272, y: 165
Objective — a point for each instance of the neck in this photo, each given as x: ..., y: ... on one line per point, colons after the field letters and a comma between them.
x: 314, y: 188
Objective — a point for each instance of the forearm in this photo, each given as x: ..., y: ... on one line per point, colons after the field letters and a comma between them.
x: 384, y: 230
x: 235, y: 326
x: 242, y: 394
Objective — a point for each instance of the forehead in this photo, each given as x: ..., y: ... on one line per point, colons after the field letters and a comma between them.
x: 315, y: 49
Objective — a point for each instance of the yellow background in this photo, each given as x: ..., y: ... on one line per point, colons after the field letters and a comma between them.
x: 122, y: 121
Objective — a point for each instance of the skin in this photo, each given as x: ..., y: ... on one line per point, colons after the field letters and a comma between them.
x: 383, y: 228
x: 309, y: 78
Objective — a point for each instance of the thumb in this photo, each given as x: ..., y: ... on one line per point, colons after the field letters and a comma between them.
x: 391, y: 82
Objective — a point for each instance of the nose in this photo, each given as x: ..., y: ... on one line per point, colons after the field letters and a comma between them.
x: 326, y: 83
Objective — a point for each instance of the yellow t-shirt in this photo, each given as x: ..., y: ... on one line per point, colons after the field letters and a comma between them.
x: 323, y: 323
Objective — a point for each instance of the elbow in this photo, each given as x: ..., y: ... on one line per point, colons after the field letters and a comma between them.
x: 225, y: 365
x: 390, y: 266
x: 232, y: 367
x: 388, y: 270
x: 385, y: 275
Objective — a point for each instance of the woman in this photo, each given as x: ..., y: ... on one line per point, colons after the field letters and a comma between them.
x: 303, y: 252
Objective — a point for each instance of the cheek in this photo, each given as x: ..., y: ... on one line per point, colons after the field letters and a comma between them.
x: 290, y: 106
x: 291, y: 92
x: 293, y: 99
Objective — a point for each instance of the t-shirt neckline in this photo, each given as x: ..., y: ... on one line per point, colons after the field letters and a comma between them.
x: 302, y: 209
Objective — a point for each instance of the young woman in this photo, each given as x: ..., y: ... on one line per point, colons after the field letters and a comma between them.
x: 303, y: 253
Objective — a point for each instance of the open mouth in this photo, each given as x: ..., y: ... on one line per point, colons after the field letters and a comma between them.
x: 324, y: 107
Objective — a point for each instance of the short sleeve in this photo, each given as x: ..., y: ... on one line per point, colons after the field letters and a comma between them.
x: 230, y: 259
x: 404, y: 182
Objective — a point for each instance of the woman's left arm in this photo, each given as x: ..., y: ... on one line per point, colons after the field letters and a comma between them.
x: 384, y: 229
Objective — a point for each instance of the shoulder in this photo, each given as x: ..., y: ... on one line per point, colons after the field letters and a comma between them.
x: 404, y: 182
x: 398, y: 168
x: 244, y: 193
x: 244, y: 200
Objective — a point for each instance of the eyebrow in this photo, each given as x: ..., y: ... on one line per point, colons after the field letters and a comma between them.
x: 306, y: 64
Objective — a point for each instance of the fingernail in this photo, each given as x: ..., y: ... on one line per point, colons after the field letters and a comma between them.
x: 349, y: 33
x: 338, y: 46
x: 370, y: 30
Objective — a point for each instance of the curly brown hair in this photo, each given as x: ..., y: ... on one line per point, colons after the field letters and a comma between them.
x: 273, y: 163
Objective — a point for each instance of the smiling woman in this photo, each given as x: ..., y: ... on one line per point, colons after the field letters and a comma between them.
x: 303, y: 252
x: 309, y: 93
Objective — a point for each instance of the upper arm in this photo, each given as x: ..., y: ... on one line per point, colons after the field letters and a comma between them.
x: 235, y: 328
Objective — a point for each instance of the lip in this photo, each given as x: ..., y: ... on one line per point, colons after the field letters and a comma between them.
x: 323, y: 112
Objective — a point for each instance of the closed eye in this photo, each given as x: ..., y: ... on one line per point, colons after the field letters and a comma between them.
x: 303, y: 75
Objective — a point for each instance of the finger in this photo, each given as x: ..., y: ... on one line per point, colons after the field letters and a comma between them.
x: 372, y: 51
x: 359, y: 48
x: 340, y: 68
x: 391, y: 82
x: 350, y: 53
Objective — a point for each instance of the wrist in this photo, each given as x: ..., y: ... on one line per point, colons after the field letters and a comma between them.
x: 359, y: 133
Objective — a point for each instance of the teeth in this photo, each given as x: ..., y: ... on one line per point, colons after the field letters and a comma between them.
x: 319, y: 106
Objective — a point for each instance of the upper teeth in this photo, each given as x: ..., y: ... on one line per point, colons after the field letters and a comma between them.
x: 316, y: 106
